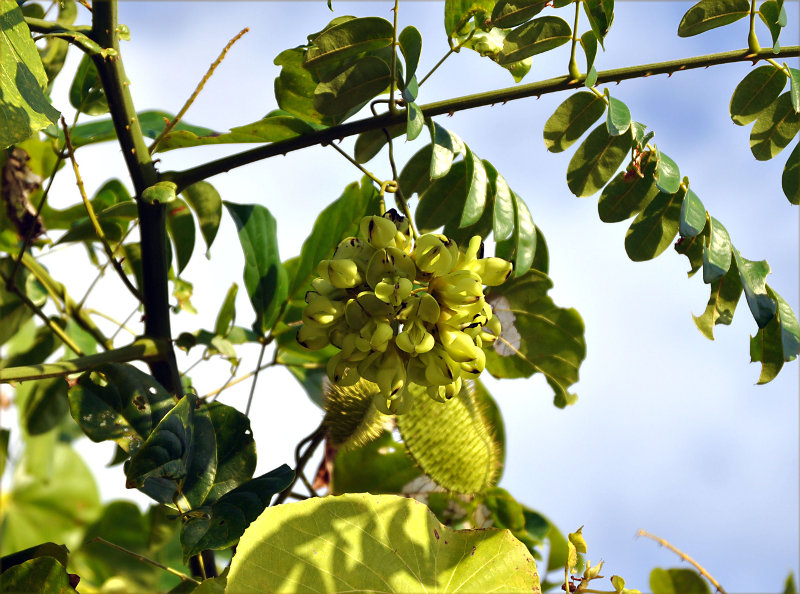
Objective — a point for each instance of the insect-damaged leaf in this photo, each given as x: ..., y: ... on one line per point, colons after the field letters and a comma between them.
x: 776, y: 343
x: 536, y: 335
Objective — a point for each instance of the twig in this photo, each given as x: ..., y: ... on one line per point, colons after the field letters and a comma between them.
x: 169, y: 127
x: 313, y: 440
x: 93, y: 217
x: 233, y: 382
x: 360, y: 167
x: 255, y: 378
x: 393, y: 78
x: 183, y: 576
x: 683, y: 556
x: 105, y: 316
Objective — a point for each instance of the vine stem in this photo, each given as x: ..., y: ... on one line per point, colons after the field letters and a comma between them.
x: 187, y: 177
x: 171, y: 125
x: 683, y: 556
x: 313, y: 440
x: 360, y: 167
x: 175, y: 572
x: 393, y: 77
x: 256, y: 371
x: 93, y: 216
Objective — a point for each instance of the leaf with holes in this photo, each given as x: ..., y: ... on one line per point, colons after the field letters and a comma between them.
x: 537, y: 335
x: 306, y: 539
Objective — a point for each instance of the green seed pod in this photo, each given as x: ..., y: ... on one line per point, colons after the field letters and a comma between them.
x: 351, y: 419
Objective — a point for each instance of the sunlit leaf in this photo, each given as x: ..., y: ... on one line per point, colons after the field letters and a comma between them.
x: 458, y: 12
x: 476, y: 189
x: 677, y: 581
x: 264, y: 276
x: 511, y: 13
x: 152, y: 122
x: 693, y: 215
x: 304, y: 540
x: 790, y: 180
x: 596, y: 160
x: 618, y: 117
x: 774, y: 129
x: 571, y: 119
x: 503, y: 211
x: 220, y: 525
x: 794, y: 88
x: 41, y: 574
x: 576, y: 543
x: 415, y: 121
x: 710, y: 14
x: 717, y: 254
x: 24, y: 107
x: 445, y: 147
x: 777, y: 342
x: 379, y: 466
x: 538, y: 36
x: 667, y: 175
x: 451, y: 441
x: 589, y: 45
x: 771, y: 14
x: 536, y: 336
x: 410, y: 42
x: 346, y: 40
x: 753, y: 276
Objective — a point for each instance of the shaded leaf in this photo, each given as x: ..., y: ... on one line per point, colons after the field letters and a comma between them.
x: 771, y: 16
x: 753, y: 276
x: 207, y: 205
x: 264, y: 276
x: 445, y: 147
x: 774, y: 129
x: 627, y: 194
x: 294, y: 88
x: 538, y: 36
x: 725, y: 294
x: 308, y: 549
x: 415, y: 121
x: 776, y: 343
x: 220, y: 525
x: 504, y: 211
x: 710, y: 14
x: 48, y: 549
x: 180, y: 226
x: 717, y: 254
x: 654, y: 229
x: 511, y: 13
x: 352, y: 88
x: 369, y: 143
x: 521, y: 247
x: 379, y: 466
x: 790, y: 180
x: 45, y: 406
x: 677, y: 581
x: 24, y: 107
x: 443, y: 200
x: 571, y: 119
x: 346, y: 40
x: 476, y: 189
x: 794, y: 88
x: 458, y: 12
x: 152, y: 122
x: 536, y: 336
x: 600, y: 14
x: 667, y: 175
x: 113, y: 221
x: 693, y: 215
x: 589, y: 45
x: 451, y: 441
x: 42, y: 574
x: 86, y: 93
x: 415, y: 175
x: 596, y: 160
x: 227, y: 312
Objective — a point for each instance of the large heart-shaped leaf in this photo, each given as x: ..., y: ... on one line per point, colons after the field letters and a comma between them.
x: 360, y: 542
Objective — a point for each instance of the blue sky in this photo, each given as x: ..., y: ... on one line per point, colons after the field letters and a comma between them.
x: 670, y: 433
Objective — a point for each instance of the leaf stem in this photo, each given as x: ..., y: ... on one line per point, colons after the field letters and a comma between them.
x: 313, y: 440
x: 174, y: 572
x: 572, y: 69
x: 684, y: 557
x: 360, y: 167
x: 187, y: 177
x: 752, y: 38
x: 256, y: 371
x: 93, y: 217
x: 174, y: 122
x: 393, y: 75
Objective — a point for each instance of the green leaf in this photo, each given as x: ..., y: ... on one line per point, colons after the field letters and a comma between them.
x: 771, y: 16
x: 86, y: 93
x: 113, y: 221
x: 180, y: 226
x: 794, y: 88
x: 445, y: 147
x: 167, y: 451
x: 725, y: 294
x: 379, y: 466
x: 443, y: 200
x: 42, y: 574
x: 576, y: 544
x: 24, y: 107
x: 55, y: 506
x: 458, y: 12
x: 618, y: 117
x: 710, y: 14
x: 511, y: 13
x: 790, y: 180
x: 667, y: 175
x: 451, y: 441
x: 333, y: 224
x: 4, y: 436
x: 777, y: 342
x: 410, y: 42
x: 204, y: 199
x: 415, y: 175
x: 717, y: 254
x: 220, y: 525
x: 306, y: 539
x: 369, y: 143
x: 48, y: 549
x: 677, y: 581
x: 693, y: 215
x: 571, y: 120
x: 538, y: 36
x: 346, y: 40
x: 627, y: 194
x: 152, y: 122
x: 119, y: 403
x: 589, y: 45
x: 774, y: 129
x: 504, y: 210
x: 753, y: 276
x: 264, y: 275
x: 45, y: 406
x: 476, y: 192
x: 415, y: 121
x: 521, y: 247
x: 294, y: 87
x: 536, y: 336
x: 789, y: 586
x: 236, y: 449
x: 227, y: 312
x: 353, y: 88
x: 596, y: 160
x: 654, y: 229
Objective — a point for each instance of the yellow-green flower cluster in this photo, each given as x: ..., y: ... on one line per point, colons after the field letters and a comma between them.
x: 403, y: 312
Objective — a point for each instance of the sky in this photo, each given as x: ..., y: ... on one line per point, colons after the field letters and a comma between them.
x: 670, y: 433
